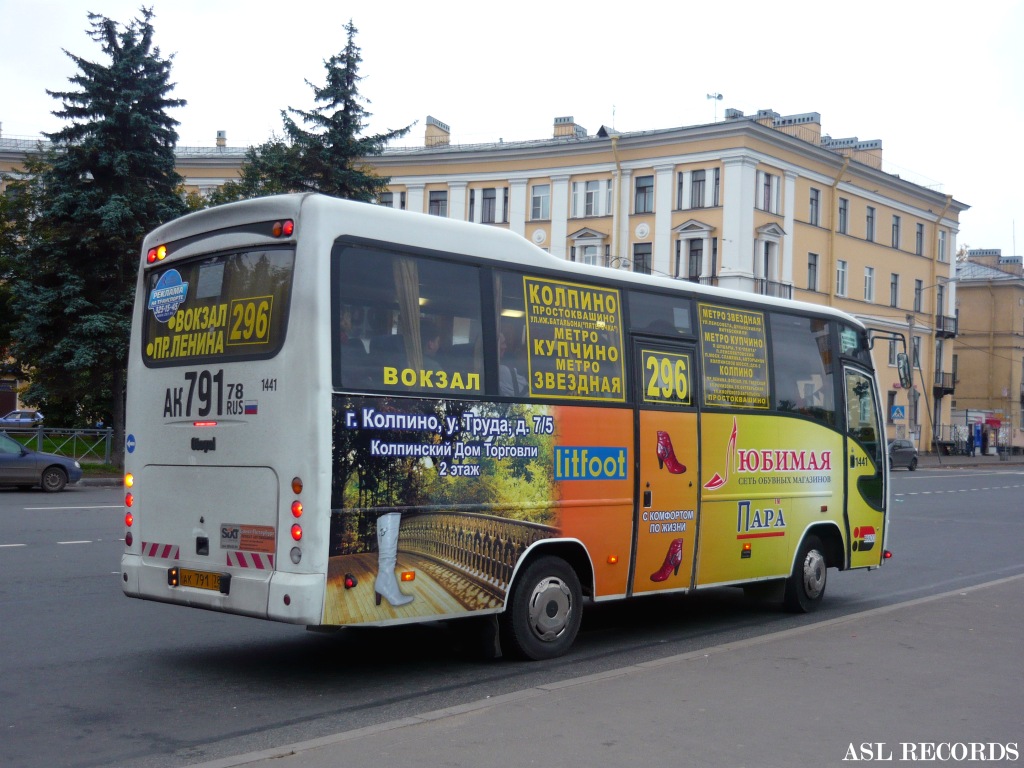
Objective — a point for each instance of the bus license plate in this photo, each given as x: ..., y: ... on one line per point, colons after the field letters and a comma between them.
x: 200, y: 579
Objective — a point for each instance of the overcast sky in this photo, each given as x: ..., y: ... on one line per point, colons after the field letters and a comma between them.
x: 940, y: 83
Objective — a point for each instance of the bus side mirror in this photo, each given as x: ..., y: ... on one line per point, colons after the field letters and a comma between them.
x: 903, y: 366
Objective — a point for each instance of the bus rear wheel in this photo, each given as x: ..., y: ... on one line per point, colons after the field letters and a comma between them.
x: 544, y: 613
x: 805, y: 588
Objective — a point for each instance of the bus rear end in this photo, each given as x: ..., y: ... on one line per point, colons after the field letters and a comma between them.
x: 221, y: 452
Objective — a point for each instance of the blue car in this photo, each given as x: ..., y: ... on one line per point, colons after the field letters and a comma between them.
x: 26, y: 468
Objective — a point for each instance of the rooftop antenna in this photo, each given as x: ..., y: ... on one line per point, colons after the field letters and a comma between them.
x: 715, y: 97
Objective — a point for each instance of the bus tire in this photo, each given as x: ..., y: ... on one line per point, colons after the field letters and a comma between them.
x: 54, y: 479
x: 805, y: 588
x: 543, y: 615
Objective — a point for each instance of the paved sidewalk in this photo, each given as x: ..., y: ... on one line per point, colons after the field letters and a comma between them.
x: 894, y: 681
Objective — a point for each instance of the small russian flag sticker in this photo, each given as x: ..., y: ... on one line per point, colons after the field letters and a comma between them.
x: 252, y: 407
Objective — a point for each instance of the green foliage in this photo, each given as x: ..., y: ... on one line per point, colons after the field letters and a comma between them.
x: 105, y: 179
x: 327, y: 159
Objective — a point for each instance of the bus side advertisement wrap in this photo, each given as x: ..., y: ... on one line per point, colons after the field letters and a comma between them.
x: 574, y: 337
x: 466, y: 488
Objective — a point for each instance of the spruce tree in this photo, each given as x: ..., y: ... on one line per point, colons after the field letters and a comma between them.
x: 107, y: 178
x: 330, y: 157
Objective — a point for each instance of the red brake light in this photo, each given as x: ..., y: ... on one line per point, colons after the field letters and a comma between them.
x: 283, y: 228
x: 296, y: 509
x: 129, y: 518
x: 297, y: 532
x: 129, y: 500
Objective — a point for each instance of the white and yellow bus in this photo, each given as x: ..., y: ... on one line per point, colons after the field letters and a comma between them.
x: 342, y: 414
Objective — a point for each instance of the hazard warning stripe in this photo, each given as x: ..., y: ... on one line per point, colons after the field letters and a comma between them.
x: 163, y: 551
x: 256, y: 560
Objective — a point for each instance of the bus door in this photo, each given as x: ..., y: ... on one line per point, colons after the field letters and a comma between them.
x: 666, y: 500
x: 865, y: 470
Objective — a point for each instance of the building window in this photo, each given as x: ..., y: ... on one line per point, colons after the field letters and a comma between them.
x: 592, y: 199
x: 697, y: 189
x: 696, y: 259
x: 844, y: 215
x: 812, y: 271
x: 768, y: 192
x: 892, y: 351
x: 894, y: 290
x: 540, y: 205
x: 869, y: 283
x: 869, y: 225
x: 895, y: 231
x: 489, y: 206
x: 919, y: 240
x: 814, y: 215
x: 942, y: 246
x: 586, y: 254
x: 717, y: 183
x: 918, y: 291
x: 438, y: 205
x: 642, y: 258
x: 940, y: 300
x: 644, y: 200
x: 840, y: 277
x: 387, y: 199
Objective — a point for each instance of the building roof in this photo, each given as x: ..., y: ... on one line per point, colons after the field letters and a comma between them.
x: 970, y: 270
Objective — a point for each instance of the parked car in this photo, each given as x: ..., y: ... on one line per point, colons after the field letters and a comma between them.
x: 902, y: 453
x: 26, y: 468
x: 22, y: 419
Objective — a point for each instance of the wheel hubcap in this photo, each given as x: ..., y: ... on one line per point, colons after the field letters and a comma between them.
x: 550, y: 608
x: 814, y: 574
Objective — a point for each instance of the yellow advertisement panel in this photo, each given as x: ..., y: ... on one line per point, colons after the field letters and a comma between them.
x: 765, y: 479
x: 735, y: 357
x: 574, y: 340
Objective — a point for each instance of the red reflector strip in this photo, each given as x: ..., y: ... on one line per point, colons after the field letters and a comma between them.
x: 163, y: 551
x: 261, y: 562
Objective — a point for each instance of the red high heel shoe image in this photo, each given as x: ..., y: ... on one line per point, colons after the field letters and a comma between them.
x: 666, y: 456
x: 673, y: 560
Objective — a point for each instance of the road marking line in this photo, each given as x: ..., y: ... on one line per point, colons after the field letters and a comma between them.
x: 13, y: 545
x: 74, y: 542
x: 44, y: 509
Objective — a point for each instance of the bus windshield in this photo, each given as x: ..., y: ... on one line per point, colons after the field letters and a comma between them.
x: 230, y: 306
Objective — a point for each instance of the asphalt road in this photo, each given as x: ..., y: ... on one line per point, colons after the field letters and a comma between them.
x: 91, y: 678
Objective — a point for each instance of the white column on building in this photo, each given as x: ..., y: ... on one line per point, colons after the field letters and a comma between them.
x: 457, y: 200
x: 499, y: 204
x: 785, y: 256
x: 415, y: 200
x: 662, y: 251
x: 559, y: 214
x: 477, y: 205
x: 705, y: 268
x: 517, y: 202
x: 736, y: 245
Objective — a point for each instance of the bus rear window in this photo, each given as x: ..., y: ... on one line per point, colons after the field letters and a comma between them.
x: 231, y: 306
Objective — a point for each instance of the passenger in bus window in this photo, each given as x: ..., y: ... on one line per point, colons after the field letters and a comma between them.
x: 511, y: 382
x: 430, y: 338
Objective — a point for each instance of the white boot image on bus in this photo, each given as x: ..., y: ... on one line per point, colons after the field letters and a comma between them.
x: 386, y: 585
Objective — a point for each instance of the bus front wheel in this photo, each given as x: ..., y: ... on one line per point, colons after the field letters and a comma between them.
x: 806, y: 586
x: 544, y: 612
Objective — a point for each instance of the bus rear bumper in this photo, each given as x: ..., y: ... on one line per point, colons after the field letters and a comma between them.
x: 295, y: 598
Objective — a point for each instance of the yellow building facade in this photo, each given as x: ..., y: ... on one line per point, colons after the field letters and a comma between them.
x: 990, y: 355
x: 763, y: 203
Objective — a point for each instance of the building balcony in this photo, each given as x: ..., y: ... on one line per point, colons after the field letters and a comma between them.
x: 771, y: 288
x: 709, y: 280
x: 945, y: 384
x: 945, y: 326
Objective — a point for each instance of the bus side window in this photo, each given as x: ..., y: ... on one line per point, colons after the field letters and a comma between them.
x: 802, y: 380
x: 513, y: 369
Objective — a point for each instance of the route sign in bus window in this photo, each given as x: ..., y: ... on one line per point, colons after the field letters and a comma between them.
x: 225, y: 307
